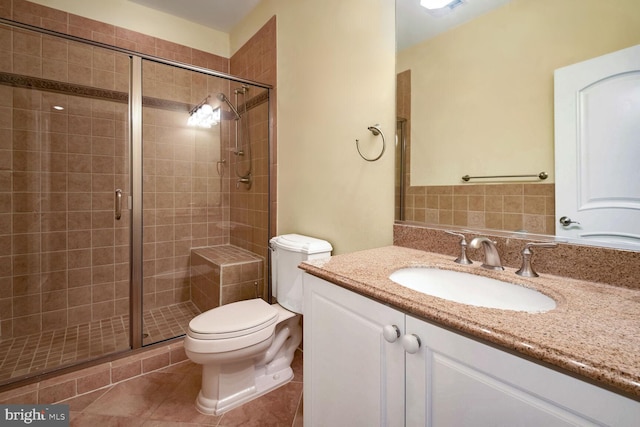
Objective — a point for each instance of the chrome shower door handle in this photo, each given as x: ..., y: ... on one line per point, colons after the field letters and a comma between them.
x: 118, y: 204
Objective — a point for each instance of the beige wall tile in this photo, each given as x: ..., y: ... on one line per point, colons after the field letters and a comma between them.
x: 513, y: 204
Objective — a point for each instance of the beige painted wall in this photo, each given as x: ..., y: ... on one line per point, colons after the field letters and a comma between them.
x: 133, y: 16
x: 336, y: 77
x: 483, y: 92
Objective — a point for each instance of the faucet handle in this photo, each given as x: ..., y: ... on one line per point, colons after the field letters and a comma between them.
x: 462, y: 259
x: 526, y: 270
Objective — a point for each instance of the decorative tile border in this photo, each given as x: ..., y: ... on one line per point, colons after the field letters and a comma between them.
x: 27, y: 82
x: 17, y: 80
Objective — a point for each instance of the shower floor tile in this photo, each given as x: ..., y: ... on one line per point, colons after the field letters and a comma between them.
x: 167, y: 322
x: 33, y: 353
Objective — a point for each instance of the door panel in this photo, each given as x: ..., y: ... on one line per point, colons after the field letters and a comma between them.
x: 597, y: 112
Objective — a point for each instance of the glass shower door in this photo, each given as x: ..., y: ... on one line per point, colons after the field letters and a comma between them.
x: 204, y: 187
x: 64, y: 151
x: 181, y: 192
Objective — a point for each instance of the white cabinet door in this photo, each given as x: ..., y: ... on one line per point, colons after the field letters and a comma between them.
x: 352, y: 375
x: 455, y: 381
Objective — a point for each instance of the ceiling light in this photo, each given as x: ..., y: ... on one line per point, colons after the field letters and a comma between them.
x: 435, y: 4
x: 440, y: 8
x: 204, y: 115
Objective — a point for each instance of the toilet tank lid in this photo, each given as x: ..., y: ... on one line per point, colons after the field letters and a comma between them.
x: 303, y: 244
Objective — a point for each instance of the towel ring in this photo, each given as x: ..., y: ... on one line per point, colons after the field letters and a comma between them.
x: 375, y: 130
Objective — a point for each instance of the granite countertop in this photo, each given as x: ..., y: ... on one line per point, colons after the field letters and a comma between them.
x: 594, y: 331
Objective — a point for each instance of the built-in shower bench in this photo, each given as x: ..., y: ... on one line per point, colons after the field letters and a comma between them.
x: 224, y: 274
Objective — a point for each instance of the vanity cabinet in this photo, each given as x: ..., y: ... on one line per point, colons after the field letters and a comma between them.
x: 357, y: 372
x: 352, y: 375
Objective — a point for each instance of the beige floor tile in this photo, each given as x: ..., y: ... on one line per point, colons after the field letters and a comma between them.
x: 167, y: 398
x: 94, y: 420
x: 274, y: 409
x: 80, y: 403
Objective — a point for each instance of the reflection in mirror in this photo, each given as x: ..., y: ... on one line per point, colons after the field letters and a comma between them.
x: 478, y: 99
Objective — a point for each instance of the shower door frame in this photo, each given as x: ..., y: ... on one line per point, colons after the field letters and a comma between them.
x: 136, y: 171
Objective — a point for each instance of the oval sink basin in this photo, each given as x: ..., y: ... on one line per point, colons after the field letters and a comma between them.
x: 474, y: 290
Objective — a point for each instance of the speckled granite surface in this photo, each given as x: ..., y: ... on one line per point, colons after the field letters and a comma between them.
x: 594, y: 331
x: 592, y: 263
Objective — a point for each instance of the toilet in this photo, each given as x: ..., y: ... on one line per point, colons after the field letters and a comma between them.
x: 246, y: 347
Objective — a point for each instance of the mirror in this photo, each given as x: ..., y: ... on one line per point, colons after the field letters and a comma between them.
x: 477, y: 98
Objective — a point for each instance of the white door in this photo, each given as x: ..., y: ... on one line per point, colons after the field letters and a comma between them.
x: 597, y: 149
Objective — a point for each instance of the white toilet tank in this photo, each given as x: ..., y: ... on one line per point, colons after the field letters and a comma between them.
x: 287, y: 252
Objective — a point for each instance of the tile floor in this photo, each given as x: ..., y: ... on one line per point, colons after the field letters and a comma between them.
x: 23, y: 355
x: 166, y: 398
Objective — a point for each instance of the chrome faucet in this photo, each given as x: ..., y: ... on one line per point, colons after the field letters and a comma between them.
x: 491, y: 256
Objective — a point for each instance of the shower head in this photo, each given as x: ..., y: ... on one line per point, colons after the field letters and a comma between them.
x: 223, y: 98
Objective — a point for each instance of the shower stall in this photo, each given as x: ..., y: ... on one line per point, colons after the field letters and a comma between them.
x: 105, y: 192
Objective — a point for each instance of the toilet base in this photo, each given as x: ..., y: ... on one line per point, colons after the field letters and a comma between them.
x: 263, y: 384
x: 232, y: 378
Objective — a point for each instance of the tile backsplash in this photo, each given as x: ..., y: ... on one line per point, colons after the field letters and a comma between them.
x: 513, y: 206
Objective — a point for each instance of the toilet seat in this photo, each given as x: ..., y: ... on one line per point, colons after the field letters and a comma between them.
x: 233, y: 320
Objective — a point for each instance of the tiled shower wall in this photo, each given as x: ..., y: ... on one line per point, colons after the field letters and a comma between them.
x: 402, y: 162
x: 189, y: 223
x: 256, y: 61
x: 182, y: 191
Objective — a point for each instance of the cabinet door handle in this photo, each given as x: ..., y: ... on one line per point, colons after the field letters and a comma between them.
x: 391, y: 333
x: 411, y: 343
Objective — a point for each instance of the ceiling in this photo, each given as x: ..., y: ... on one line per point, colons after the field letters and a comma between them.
x: 415, y: 24
x: 221, y: 15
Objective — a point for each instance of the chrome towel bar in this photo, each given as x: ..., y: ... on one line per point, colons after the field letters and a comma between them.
x: 541, y: 175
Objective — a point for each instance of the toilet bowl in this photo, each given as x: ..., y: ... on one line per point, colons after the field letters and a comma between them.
x: 246, y: 348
